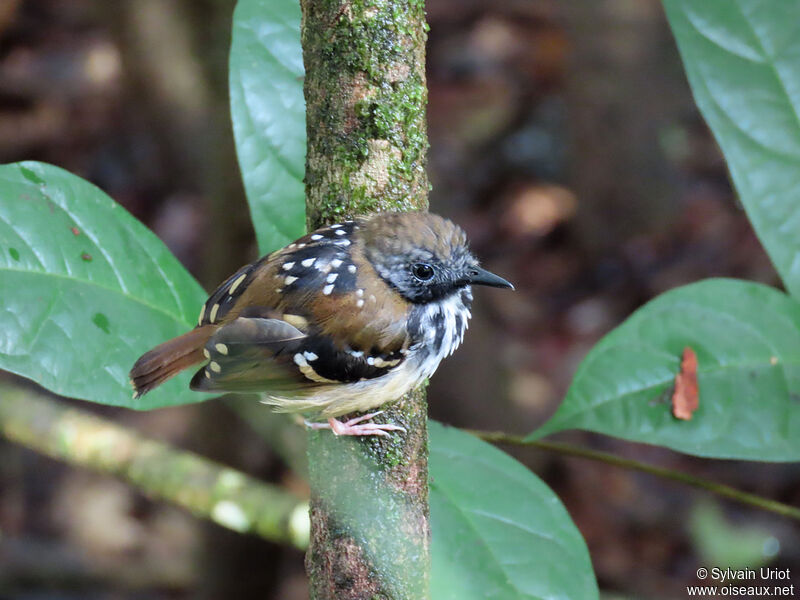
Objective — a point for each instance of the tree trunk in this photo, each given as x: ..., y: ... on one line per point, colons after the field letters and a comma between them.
x: 365, y: 96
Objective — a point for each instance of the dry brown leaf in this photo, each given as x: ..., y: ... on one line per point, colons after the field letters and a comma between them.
x: 686, y: 397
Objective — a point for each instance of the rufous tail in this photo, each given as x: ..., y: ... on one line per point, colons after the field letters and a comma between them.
x: 168, y: 359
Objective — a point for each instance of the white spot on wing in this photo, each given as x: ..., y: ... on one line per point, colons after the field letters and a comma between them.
x: 236, y: 283
x: 381, y: 363
x: 296, y: 320
x: 316, y: 236
x: 308, y: 370
x: 308, y: 262
x: 360, y: 302
x: 290, y: 279
x: 288, y: 266
x: 213, y: 315
x: 332, y: 277
x: 336, y: 263
x: 310, y: 355
x: 214, y: 366
x: 327, y: 289
x: 351, y: 268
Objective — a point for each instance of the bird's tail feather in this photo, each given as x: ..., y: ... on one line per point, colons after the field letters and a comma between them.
x: 168, y: 359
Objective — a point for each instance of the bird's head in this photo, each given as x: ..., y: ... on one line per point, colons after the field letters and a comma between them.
x: 422, y: 256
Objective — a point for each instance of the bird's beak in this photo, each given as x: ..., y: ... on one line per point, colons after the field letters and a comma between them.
x: 480, y: 276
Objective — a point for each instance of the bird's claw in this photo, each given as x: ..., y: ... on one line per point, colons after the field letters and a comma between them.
x: 356, y: 426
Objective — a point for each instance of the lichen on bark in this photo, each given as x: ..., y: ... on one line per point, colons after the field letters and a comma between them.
x: 365, y: 97
x: 367, y: 143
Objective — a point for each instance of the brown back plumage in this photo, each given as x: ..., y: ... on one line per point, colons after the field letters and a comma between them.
x: 370, y: 318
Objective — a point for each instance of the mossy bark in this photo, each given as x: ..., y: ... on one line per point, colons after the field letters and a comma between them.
x: 365, y: 95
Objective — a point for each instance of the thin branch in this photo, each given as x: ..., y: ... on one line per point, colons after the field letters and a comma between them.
x: 726, y: 491
x: 205, y: 488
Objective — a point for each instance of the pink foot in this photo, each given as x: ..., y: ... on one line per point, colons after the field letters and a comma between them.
x: 355, y: 426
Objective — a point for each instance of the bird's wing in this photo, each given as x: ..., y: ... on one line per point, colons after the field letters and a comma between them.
x: 251, y: 354
x: 287, y: 278
x: 301, y: 317
x: 257, y: 354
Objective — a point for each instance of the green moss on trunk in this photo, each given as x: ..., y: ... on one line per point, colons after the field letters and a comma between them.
x: 365, y: 95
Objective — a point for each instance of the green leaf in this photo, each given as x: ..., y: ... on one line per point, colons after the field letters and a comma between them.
x: 747, y: 340
x: 497, y: 530
x: 268, y: 111
x: 86, y: 289
x: 743, y: 62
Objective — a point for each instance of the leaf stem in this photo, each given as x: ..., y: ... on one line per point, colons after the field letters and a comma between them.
x: 725, y: 491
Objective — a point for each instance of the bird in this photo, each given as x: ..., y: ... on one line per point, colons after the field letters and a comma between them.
x: 346, y: 319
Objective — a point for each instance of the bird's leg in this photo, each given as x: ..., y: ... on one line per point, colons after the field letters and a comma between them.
x: 356, y: 426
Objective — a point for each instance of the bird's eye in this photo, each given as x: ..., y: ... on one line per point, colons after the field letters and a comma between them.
x: 422, y: 271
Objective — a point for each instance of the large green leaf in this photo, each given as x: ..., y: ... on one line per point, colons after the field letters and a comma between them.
x: 85, y: 289
x: 747, y: 340
x: 268, y: 111
x: 743, y: 62
x: 498, y: 531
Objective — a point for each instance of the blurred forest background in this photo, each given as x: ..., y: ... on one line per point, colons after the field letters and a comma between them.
x: 563, y: 138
